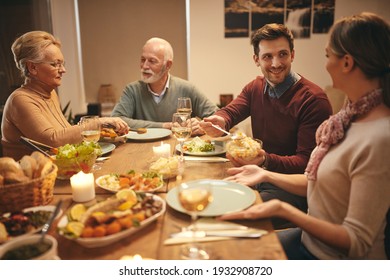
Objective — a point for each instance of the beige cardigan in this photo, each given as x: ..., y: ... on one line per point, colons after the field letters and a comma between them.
x: 35, y: 116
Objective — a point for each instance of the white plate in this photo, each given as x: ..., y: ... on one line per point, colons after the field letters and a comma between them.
x: 227, y: 197
x: 217, y: 151
x: 121, y: 138
x: 49, y: 208
x: 106, y: 147
x: 94, y: 242
x: 151, y: 134
x: 115, y: 188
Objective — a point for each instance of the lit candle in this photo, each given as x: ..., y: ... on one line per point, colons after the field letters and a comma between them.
x: 83, y: 186
x: 164, y: 150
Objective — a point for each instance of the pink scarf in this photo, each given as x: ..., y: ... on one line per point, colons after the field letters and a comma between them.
x: 332, y: 130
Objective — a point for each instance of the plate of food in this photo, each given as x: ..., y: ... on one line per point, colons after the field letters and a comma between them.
x: 228, y: 197
x: 200, y: 147
x: 28, y: 221
x: 137, y: 181
x: 108, y: 134
x: 151, y: 134
x: 112, y: 219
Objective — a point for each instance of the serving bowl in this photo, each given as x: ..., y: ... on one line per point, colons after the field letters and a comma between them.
x: 24, y: 248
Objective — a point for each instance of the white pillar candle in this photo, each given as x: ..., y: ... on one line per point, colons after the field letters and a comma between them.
x: 83, y: 187
x: 164, y: 150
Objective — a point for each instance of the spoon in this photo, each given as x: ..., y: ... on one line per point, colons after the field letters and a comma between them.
x: 47, y: 225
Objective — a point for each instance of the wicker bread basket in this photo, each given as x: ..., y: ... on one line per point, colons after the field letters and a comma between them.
x: 39, y: 191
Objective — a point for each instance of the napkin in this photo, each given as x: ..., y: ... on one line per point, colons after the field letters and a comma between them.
x: 210, y: 226
x: 206, y: 159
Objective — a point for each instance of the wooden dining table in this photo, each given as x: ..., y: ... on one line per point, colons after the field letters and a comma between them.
x: 148, y: 242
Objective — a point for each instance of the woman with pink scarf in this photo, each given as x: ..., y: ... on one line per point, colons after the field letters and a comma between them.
x: 347, y: 180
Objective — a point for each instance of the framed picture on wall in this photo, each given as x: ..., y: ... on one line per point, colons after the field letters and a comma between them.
x: 323, y: 15
x: 267, y: 12
x: 236, y: 19
x: 298, y: 17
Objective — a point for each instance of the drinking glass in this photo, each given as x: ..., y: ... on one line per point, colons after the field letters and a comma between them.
x: 194, y: 199
x: 184, y: 105
x: 90, y: 133
x: 181, y: 128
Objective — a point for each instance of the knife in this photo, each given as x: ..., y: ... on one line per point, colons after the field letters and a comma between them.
x: 252, y: 233
x: 206, y: 159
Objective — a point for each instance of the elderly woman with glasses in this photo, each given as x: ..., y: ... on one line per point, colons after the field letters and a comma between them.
x: 33, y: 110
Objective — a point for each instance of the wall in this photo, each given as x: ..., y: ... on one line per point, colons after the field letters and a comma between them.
x: 218, y: 65
x: 113, y: 33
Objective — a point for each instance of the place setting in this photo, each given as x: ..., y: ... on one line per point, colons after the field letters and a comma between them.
x: 207, y: 199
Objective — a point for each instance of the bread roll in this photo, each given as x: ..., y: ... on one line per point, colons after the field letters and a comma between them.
x: 9, y: 164
x: 44, y: 164
x: 44, y: 168
x: 15, y: 177
x: 28, y: 165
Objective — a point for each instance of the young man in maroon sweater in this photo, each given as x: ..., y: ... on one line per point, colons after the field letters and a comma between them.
x: 285, y: 110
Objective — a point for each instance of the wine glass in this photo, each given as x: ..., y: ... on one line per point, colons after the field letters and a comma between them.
x: 184, y: 105
x: 194, y: 199
x: 90, y: 128
x: 90, y: 131
x: 181, y: 127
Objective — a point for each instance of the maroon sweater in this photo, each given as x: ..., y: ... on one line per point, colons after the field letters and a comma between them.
x: 286, y: 125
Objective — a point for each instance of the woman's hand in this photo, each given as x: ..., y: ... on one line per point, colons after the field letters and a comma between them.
x: 248, y: 175
x: 120, y: 125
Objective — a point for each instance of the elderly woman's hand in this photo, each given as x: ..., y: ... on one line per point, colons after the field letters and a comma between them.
x: 120, y: 125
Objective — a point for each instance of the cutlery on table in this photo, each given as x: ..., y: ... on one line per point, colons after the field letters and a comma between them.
x: 232, y: 135
x: 222, y: 233
x: 206, y: 159
x: 47, y: 225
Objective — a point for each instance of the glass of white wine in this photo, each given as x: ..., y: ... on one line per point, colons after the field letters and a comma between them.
x: 184, y: 105
x: 181, y: 128
x: 90, y: 131
x: 90, y: 128
x: 194, y: 198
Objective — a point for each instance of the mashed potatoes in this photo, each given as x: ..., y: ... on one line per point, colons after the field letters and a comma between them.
x: 168, y: 167
x: 243, y: 147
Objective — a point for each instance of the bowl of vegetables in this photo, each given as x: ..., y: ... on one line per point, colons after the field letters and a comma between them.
x: 73, y: 158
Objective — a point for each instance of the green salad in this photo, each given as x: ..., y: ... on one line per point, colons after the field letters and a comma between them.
x: 78, y: 150
x: 197, y: 145
x: 72, y: 158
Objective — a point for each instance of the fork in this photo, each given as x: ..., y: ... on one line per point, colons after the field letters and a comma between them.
x: 232, y: 136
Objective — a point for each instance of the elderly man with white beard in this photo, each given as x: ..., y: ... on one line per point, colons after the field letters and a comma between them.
x: 151, y: 101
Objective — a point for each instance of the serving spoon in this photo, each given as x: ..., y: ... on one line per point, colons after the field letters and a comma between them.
x: 47, y: 225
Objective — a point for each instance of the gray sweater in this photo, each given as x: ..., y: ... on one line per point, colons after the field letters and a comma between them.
x: 138, y: 108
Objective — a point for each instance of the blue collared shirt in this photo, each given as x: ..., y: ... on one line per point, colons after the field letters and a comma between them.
x: 158, y: 97
x: 278, y: 90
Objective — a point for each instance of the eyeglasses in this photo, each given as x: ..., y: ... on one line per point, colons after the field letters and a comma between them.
x: 56, y: 64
